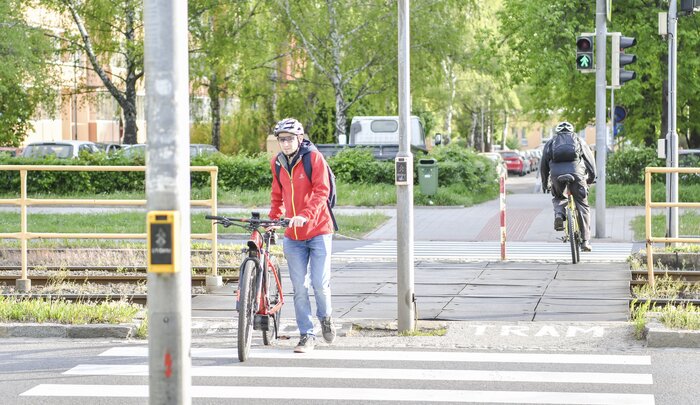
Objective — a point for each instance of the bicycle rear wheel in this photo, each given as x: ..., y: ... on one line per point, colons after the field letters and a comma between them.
x: 570, y: 229
x: 246, y: 307
x: 273, y: 293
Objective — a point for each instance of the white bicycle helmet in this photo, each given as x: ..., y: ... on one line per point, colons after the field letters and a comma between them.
x: 564, y: 127
x: 289, y: 125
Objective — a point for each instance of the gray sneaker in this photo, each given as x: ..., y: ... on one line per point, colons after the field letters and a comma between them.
x: 306, y: 344
x: 328, y: 329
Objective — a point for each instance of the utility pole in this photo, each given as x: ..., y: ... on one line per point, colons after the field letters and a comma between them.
x: 601, y: 135
x: 168, y: 202
x: 405, y: 293
x: 671, y: 134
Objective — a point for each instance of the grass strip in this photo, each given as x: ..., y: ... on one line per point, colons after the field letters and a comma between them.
x: 66, y: 312
x: 354, y: 226
x: 689, y: 224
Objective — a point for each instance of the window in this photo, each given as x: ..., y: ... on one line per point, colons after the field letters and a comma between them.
x: 384, y: 126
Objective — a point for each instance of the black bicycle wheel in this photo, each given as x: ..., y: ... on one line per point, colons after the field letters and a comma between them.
x: 570, y: 227
x: 577, y: 233
x: 273, y: 293
x: 246, y: 307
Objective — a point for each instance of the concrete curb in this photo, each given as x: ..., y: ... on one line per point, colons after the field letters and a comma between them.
x: 55, y: 330
x: 658, y: 335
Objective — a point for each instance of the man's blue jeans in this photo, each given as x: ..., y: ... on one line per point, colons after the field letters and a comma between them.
x: 310, y: 260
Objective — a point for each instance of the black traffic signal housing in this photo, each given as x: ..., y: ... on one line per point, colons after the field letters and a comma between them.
x: 584, y: 52
x: 620, y: 59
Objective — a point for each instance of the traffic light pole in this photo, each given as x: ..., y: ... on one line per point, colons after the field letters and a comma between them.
x: 404, y: 192
x: 672, y: 135
x: 168, y: 202
x: 600, y: 117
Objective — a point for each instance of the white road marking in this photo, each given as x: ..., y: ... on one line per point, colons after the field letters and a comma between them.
x: 350, y: 394
x: 551, y: 358
x: 238, y: 370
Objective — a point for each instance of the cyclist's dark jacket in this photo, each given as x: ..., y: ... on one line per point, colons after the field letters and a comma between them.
x: 583, y: 167
x: 301, y: 196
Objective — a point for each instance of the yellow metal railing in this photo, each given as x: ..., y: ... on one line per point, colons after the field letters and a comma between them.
x: 23, y: 202
x: 649, y: 204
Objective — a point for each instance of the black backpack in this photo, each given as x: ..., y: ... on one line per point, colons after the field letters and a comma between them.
x: 306, y: 161
x: 565, y: 148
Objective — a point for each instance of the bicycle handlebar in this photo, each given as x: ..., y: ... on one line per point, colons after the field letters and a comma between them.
x: 251, y: 222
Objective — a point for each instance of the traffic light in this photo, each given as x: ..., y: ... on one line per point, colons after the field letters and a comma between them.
x: 584, y: 53
x: 620, y: 59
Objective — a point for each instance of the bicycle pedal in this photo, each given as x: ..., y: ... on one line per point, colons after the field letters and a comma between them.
x: 261, y: 322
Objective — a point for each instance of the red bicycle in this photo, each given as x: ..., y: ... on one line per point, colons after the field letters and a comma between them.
x: 259, y: 297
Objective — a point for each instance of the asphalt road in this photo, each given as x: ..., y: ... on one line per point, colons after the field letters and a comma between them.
x: 402, y: 370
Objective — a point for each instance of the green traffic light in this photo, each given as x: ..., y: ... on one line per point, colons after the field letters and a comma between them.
x: 583, y: 61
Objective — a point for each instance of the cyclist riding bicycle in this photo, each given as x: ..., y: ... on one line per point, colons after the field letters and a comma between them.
x: 567, y: 153
x: 302, y: 197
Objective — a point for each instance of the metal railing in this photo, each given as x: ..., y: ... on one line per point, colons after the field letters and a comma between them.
x: 23, y: 202
x: 649, y: 204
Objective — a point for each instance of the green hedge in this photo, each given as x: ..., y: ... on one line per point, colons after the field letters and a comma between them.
x: 456, y: 166
x: 627, y: 165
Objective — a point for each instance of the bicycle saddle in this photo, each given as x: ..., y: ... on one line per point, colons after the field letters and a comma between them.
x: 566, y: 178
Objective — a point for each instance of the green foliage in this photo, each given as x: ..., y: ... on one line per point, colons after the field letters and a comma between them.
x: 540, y: 36
x: 238, y: 171
x: 25, y: 78
x: 458, y: 165
x: 627, y: 166
x: 632, y: 195
x: 357, y: 165
x: 59, y: 311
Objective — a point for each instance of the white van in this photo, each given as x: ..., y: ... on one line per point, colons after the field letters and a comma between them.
x: 384, y: 130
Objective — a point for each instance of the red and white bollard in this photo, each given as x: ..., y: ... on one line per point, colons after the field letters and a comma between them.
x: 502, y: 187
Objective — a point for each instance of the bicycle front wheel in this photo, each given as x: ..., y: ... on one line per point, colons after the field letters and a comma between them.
x: 571, y: 229
x: 274, y: 296
x: 246, y: 307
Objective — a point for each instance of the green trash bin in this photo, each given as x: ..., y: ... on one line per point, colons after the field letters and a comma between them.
x: 428, y: 176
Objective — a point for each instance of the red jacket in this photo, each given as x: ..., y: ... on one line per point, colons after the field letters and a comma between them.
x: 300, y: 196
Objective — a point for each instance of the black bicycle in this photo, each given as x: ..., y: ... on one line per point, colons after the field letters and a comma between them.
x: 259, y: 295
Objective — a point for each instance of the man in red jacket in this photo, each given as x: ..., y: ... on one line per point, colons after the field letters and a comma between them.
x: 307, y: 241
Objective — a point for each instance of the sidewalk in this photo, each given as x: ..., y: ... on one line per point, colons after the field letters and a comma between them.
x: 529, y: 217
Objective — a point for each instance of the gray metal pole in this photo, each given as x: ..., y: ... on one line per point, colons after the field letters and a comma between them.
x: 168, y: 189
x: 601, y: 136
x: 404, y: 193
x: 612, y: 115
x: 672, y: 134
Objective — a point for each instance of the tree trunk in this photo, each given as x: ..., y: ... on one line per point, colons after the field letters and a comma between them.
x: 505, y: 131
x: 340, y: 118
x: 130, y: 128
x: 472, y: 133
x: 215, y: 107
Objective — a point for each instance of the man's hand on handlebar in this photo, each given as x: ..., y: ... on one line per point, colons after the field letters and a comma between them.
x: 297, y: 220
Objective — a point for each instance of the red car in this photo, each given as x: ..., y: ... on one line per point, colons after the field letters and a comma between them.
x: 514, y: 162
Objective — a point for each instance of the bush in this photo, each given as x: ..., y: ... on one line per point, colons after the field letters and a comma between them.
x: 457, y: 165
x: 358, y: 165
x: 627, y: 166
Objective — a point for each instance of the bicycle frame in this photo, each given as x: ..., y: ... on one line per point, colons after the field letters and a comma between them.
x: 258, y: 249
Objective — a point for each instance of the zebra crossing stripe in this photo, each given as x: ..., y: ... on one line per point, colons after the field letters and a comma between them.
x: 606, y: 252
x: 422, y: 356
x: 349, y: 394
x: 238, y: 370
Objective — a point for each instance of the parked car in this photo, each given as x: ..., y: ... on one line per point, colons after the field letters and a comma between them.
x: 108, y: 147
x: 60, y: 149
x: 9, y: 151
x: 514, y: 162
x: 501, y: 168
x: 689, y: 158
x: 199, y: 149
x: 196, y: 149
